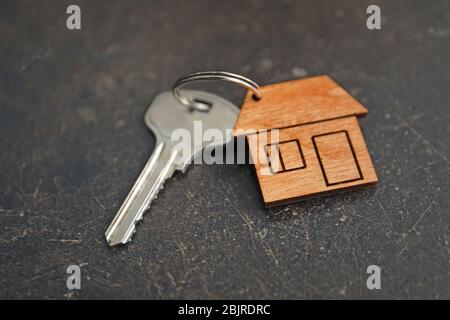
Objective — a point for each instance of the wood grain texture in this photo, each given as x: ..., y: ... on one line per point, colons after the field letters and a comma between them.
x: 335, y: 158
x: 296, y: 102
x: 319, y: 147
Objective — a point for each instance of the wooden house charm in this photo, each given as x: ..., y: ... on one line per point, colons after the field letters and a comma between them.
x: 319, y: 147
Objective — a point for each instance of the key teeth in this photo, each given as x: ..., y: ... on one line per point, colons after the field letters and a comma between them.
x: 133, y: 231
x: 128, y: 238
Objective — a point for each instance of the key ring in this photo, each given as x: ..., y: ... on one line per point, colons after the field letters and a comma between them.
x: 211, y: 75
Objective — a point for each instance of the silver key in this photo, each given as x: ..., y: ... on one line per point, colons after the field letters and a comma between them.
x: 164, y: 115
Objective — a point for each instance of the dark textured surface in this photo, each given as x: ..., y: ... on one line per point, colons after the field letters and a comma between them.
x: 73, y: 140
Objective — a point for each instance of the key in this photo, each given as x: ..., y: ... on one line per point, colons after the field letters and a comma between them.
x: 164, y: 115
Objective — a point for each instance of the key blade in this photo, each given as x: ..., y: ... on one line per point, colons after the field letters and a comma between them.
x: 158, y: 169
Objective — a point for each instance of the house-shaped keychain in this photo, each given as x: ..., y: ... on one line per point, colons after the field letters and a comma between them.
x: 319, y: 147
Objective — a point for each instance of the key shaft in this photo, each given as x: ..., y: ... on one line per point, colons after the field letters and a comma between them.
x: 158, y: 169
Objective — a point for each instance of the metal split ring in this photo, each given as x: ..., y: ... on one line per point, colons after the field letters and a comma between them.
x: 211, y: 75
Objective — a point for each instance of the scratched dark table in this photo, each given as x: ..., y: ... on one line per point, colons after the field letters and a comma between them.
x: 73, y: 141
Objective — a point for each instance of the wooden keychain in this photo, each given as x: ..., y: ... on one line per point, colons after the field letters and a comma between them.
x: 303, y: 135
x: 319, y: 149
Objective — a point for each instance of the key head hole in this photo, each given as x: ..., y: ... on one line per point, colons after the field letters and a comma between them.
x: 205, y: 105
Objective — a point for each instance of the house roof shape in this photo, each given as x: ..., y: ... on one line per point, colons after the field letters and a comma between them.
x: 296, y: 102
